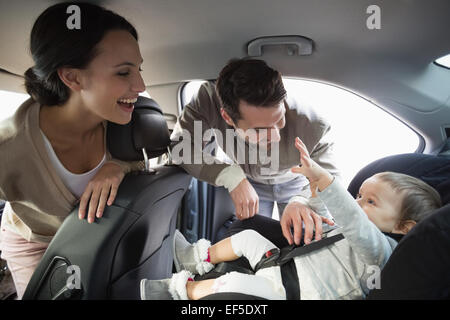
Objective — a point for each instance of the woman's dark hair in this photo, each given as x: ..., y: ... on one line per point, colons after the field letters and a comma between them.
x: 54, y: 45
x: 250, y: 80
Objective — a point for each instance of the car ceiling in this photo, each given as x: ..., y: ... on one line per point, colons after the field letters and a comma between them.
x: 185, y: 40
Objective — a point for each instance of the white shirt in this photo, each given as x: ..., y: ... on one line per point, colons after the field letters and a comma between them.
x: 76, y: 183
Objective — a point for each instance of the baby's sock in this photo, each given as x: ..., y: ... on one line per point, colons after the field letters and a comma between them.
x: 177, y: 285
x: 202, y: 258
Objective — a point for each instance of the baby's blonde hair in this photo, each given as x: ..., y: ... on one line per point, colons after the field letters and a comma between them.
x: 419, y: 198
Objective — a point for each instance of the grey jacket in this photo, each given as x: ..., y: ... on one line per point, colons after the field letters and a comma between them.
x: 349, y: 268
x: 301, y: 121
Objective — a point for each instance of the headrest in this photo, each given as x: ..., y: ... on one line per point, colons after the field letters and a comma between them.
x: 147, y: 129
x: 434, y: 170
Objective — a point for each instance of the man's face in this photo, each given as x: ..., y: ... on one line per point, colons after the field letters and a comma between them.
x: 260, y: 125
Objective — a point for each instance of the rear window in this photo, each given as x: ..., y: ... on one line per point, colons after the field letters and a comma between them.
x: 362, y: 131
x: 444, y: 61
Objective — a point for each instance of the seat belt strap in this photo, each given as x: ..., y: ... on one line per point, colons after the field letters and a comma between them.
x: 299, y: 251
x: 290, y: 280
x: 289, y: 275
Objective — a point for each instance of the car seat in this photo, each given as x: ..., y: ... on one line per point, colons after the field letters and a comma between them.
x: 132, y: 241
x: 418, y: 267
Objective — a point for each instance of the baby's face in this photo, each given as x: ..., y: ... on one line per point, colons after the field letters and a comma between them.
x: 380, y: 202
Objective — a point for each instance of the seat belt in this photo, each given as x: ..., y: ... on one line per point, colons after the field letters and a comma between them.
x: 284, y: 258
x: 295, y: 251
x: 289, y: 277
x: 277, y: 257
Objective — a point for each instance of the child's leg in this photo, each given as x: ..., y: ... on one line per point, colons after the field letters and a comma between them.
x: 201, y: 257
x: 199, y: 289
x: 239, y: 283
x: 222, y: 251
x: 250, y: 244
x: 247, y: 243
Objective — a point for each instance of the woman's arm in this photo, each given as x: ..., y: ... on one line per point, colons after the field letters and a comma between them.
x: 102, y: 189
x: 127, y: 166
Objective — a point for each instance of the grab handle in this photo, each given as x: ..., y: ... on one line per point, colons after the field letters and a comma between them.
x: 301, y: 45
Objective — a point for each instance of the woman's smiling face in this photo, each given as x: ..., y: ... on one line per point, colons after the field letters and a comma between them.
x: 113, y: 76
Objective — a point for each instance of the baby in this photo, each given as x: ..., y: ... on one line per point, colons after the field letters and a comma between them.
x: 388, y: 204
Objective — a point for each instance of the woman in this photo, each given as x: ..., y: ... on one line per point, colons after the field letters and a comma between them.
x: 53, y: 148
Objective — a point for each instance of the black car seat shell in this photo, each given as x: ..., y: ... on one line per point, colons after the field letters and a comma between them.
x: 434, y: 170
x: 133, y: 239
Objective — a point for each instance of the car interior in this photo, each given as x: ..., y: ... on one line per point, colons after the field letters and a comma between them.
x: 390, y: 64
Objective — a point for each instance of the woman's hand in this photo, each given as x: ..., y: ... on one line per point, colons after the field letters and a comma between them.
x: 317, y: 176
x: 101, y: 190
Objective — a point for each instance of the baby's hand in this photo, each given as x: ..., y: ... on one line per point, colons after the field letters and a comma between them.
x: 317, y: 176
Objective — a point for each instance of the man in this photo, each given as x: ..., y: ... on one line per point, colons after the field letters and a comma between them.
x: 250, y: 108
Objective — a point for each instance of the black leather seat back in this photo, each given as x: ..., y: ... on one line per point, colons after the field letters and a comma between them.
x: 133, y: 239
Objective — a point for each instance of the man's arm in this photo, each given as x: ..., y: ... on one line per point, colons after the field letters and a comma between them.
x: 230, y: 177
x: 200, y: 115
x: 315, y: 204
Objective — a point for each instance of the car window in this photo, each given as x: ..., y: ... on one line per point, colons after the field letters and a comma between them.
x: 10, y: 101
x: 362, y: 131
x: 188, y: 91
x: 444, y: 61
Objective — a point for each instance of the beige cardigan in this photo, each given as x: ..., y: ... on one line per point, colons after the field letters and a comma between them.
x: 37, y: 199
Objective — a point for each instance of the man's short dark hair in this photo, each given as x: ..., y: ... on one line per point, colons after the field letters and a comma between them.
x: 250, y: 80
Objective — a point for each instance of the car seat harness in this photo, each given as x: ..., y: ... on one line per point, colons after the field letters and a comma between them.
x: 284, y: 258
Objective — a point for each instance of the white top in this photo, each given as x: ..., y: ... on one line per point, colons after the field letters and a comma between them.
x: 76, y: 183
